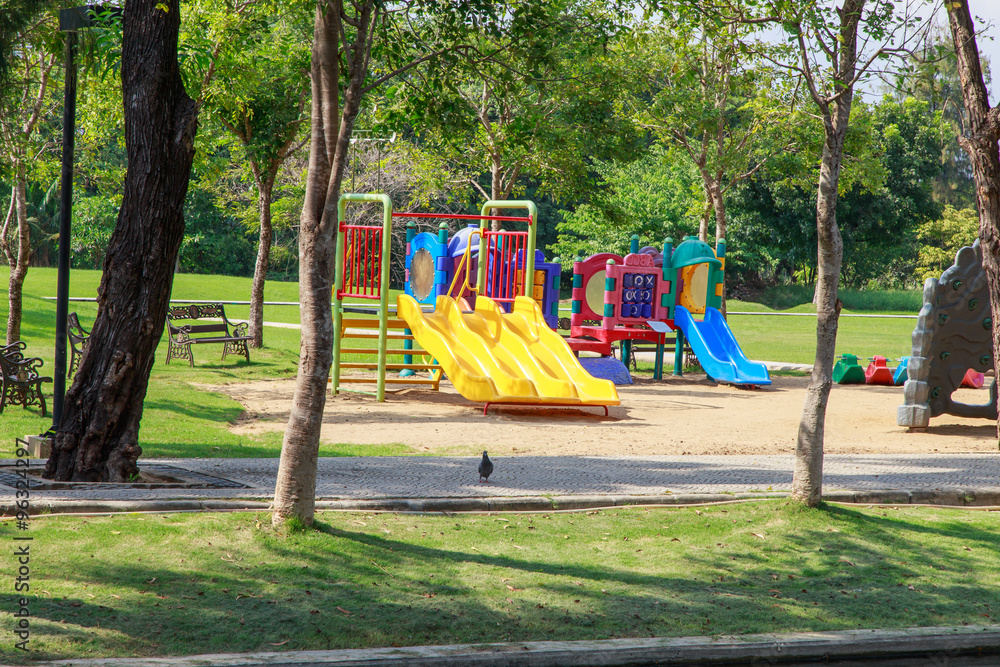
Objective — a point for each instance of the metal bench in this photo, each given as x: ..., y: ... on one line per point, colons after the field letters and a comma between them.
x: 78, y: 337
x: 20, y: 381
x: 181, y: 337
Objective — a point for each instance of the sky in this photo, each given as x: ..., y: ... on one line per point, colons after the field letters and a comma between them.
x: 989, y: 10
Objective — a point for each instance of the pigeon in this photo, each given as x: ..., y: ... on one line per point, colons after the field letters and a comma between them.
x: 485, y: 469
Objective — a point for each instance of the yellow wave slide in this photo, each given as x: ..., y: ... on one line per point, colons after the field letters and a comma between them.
x: 495, y: 357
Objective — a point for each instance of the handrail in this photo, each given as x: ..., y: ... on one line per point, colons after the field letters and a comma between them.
x: 529, y: 261
x: 466, y: 261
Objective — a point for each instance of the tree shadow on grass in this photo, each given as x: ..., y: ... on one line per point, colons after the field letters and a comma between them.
x: 245, y: 589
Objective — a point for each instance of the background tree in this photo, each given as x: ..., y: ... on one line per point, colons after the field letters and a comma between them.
x: 23, y: 106
x: 824, y: 55
x: 354, y: 31
x: 701, y: 90
x: 97, y: 438
x: 257, y: 91
x: 508, y: 112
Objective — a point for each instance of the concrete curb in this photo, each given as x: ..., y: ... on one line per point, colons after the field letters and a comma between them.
x: 884, y: 647
x: 943, y: 497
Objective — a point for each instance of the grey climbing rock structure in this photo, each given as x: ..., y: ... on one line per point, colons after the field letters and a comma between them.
x: 954, y: 333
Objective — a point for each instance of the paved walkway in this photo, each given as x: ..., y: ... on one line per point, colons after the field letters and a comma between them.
x: 360, y: 478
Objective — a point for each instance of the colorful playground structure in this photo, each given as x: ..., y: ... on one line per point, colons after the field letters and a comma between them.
x: 953, y: 336
x: 648, y: 294
x: 501, y: 352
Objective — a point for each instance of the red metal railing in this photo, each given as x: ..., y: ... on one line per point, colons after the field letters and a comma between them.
x: 504, y: 248
x: 463, y: 216
x: 362, y: 262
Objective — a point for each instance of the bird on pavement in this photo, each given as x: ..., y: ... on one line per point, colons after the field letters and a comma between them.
x: 485, y: 469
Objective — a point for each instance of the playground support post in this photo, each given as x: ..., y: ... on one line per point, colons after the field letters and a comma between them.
x: 383, y: 325
x: 411, y: 231
x: 529, y: 261
x: 679, y: 353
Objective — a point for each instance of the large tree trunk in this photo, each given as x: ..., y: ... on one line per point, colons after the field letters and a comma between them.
x: 97, y: 439
x: 19, y: 266
x: 807, y: 480
x: 265, y: 187
x: 981, y: 145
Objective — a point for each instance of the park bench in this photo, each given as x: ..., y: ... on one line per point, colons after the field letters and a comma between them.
x: 20, y: 381
x: 78, y: 337
x: 182, y: 336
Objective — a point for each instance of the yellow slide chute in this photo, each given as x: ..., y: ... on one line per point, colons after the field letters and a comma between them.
x: 496, y: 357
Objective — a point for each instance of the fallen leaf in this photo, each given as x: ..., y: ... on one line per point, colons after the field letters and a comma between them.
x: 151, y: 581
x: 967, y: 548
x: 118, y: 597
x: 758, y: 535
x: 511, y: 588
x: 279, y: 643
x: 675, y: 540
x: 846, y: 562
x: 343, y: 611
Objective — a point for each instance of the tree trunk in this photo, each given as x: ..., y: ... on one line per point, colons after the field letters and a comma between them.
x: 719, y: 204
x: 265, y: 187
x: 97, y: 439
x: 496, y: 186
x: 981, y: 145
x: 807, y: 480
x: 19, y: 269
x: 295, y: 489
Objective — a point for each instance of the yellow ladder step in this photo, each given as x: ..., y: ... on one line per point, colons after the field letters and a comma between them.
x: 409, y: 380
x: 394, y: 366
x: 371, y: 322
x: 390, y: 336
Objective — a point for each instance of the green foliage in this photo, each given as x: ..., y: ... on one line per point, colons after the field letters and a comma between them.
x: 94, y: 220
x: 213, y: 242
x: 942, y: 238
x: 887, y: 193
x: 530, y: 103
x: 657, y: 196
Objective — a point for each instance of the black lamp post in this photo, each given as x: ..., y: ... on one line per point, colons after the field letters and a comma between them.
x: 70, y: 21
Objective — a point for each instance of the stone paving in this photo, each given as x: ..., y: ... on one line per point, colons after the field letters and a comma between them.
x: 456, y: 477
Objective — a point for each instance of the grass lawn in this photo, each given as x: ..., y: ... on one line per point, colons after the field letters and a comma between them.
x: 198, y: 583
x: 181, y: 419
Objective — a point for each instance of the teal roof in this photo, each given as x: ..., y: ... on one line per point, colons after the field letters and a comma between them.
x: 692, y: 251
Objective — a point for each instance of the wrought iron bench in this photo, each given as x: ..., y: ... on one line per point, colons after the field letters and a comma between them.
x: 78, y: 337
x: 181, y: 336
x: 20, y: 381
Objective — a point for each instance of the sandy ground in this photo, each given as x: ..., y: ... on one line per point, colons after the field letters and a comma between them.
x: 687, y: 415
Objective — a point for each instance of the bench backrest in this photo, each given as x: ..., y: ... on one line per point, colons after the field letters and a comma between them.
x: 177, y: 315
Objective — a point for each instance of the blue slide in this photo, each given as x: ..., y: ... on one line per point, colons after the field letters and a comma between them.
x: 717, y: 350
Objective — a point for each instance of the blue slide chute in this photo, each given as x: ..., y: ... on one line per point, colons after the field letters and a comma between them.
x: 717, y: 350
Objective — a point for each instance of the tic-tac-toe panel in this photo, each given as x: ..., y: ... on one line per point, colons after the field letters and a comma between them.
x: 634, y: 291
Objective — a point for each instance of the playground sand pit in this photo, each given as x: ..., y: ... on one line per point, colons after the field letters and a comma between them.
x: 688, y: 415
